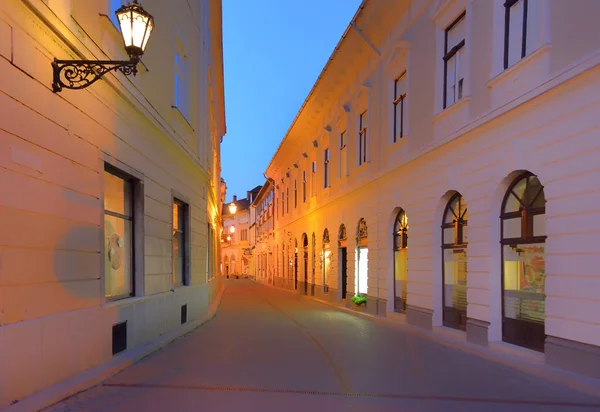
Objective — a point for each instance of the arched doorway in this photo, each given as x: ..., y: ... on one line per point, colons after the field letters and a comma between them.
x: 362, y: 257
x: 343, y: 260
x: 400, y: 261
x: 454, y: 263
x: 295, y: 264
x: 326, y: 261
x: 305, y: 261
x: 313, y: 264
x: 523, y: 238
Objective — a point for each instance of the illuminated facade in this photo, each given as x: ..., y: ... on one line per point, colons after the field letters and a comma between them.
x: 262, y: 221
x: 110, y: 196
x: 444, y: 167
x: 236, y: 254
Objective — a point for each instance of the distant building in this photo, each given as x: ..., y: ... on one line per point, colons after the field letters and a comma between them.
x: 236, y: 254
x: 109, y: 196
x: 444, y: 166
x: 262, y: 222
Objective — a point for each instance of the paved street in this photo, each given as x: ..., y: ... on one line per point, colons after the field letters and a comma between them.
x: 270, y: 350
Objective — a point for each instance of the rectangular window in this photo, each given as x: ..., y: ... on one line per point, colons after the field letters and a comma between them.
x: 304, y: 186
x: 180, y: 233
x: 287, y: 199
x: 244, y: 235
x: 313, y: 179
x: 343, y: 155
x: 295, y: 194
x: 515, y: 31
x: 182, y: 81
x: 210, y: 259
x: 362, y: 138
x: 326, y: 168
x: 118, y: 234
x: 454, y: 55
x: 399, y: 99
x: 282, y: 204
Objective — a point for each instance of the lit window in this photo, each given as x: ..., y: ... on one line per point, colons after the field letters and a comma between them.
x: 118, y: 234
x: 454, y: 54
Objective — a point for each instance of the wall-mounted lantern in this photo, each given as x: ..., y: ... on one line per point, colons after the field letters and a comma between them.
x: 136, y: 27
x: 232, y: 208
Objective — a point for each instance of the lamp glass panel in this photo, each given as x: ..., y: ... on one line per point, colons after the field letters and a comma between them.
x: 126, y: 27
x: 139, y: 24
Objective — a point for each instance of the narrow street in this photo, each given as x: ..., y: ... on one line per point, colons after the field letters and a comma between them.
x: 270, y: 350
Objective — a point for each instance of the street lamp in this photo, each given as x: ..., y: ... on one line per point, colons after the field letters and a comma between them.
x: 232, y: 208
x: 232, y: 229
x: 136, y: 27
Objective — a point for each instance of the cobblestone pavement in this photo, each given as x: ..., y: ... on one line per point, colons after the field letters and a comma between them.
x: 270, y: 350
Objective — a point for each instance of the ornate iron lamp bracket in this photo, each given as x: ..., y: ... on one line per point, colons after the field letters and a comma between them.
x: 79, y: 74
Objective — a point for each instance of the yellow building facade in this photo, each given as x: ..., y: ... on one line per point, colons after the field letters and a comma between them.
x: 441, y: 171
x: 109, y: 196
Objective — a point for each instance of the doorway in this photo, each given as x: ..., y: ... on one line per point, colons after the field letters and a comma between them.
x: 344, y: 267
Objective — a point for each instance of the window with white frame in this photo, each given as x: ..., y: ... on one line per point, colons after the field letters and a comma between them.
x: 326, y: 159
x: 343, y: 155
x: 454, y: 64
x: 295, y: 193
x: 314, y: 179
x: 304, y: 186
x: 515, y: 31
x: 362, y: 138
x: 399, y: 102
x: 182, y: 84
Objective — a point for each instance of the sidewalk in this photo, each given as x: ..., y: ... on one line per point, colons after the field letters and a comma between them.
x: 508, y: 355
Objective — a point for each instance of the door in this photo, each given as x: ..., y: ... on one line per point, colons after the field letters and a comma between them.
x: 305, y: 272
x: 344, y: 263
x: 296, y: 271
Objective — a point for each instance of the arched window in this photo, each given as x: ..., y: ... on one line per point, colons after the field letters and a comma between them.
x: 454, y: 258
x: 400, y: 261
x: 524, y: 270
x: 362, y: 253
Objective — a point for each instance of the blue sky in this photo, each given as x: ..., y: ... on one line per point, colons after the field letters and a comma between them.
x: 274, y: 51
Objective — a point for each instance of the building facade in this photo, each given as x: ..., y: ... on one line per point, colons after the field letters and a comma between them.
x: 109, y: 196
x: 236, y: 252
x: 444, y: 167
x: 263, y: 247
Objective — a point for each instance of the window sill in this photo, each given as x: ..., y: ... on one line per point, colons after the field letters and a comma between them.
x: 510, y: 71
x: 395, y: 146
x: 517, y: 80
x: 452, y: 118
x: 182, y: 116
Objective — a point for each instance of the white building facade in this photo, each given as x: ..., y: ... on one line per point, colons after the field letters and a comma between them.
x: 444, y: 166
x: 109, y: 196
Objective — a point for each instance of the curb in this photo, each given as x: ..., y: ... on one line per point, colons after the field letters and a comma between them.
x: 99, y: 373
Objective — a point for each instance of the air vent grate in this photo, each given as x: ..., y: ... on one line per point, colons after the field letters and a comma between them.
x: 119, y: 337
x: 183, y: 314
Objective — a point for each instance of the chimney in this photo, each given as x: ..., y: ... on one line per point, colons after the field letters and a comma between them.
x: 234, y: 198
